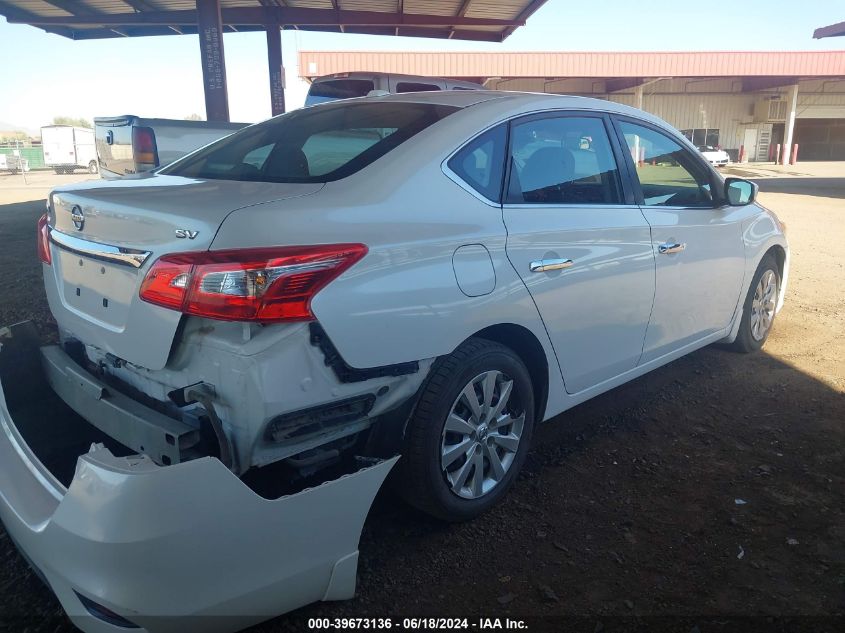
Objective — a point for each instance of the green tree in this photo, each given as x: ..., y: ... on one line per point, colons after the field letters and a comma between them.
x: 69, y: 120
x: 13, y: 135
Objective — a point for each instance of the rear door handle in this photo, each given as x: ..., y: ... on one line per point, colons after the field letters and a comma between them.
x: 545, y: 265
x: 671, y: 247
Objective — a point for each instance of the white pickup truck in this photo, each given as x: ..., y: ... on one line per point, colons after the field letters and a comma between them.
x: 129, y: 144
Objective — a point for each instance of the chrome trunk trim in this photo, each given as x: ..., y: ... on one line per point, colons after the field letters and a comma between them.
x: 96, y: 250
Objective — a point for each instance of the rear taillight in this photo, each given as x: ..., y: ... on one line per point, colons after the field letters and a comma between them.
x: 260, y: 284
x: 144, y: 148
x: 44, y: 240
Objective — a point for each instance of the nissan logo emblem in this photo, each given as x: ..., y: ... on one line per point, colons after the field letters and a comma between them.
x: 78, y: 217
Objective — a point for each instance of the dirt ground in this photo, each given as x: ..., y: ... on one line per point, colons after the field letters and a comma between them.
x: 628, y: 511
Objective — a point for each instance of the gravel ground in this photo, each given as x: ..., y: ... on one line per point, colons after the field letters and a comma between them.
x: 626, y: 509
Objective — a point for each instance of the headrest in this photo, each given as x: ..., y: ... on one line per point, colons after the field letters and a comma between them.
x: 291, y: 163
x: 547, y: 167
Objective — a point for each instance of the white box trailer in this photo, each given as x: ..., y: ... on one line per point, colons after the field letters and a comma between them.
x: 68, y: 148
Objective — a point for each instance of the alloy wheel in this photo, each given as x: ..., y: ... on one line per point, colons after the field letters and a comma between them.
x: 763, y: 305
x: 481, y: 435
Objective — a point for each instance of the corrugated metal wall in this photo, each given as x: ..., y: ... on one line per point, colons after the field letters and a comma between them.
x: 578, y: 63
x: 822, y: 99
x: 725, y: 112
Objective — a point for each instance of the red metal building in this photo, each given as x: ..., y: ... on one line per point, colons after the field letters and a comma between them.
x: 734, y: 99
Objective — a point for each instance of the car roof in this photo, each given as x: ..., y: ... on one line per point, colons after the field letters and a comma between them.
x: 515, y: 100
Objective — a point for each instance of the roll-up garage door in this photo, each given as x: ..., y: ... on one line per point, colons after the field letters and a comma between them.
x: 820, y: 139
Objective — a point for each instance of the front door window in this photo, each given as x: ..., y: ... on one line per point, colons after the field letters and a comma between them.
x: 669, y: 174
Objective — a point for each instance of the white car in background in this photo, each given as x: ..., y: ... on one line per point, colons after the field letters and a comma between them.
x: 714, y: 155
x: 251, y: 336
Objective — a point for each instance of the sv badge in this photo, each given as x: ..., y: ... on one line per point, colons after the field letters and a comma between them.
x: 186, y: 234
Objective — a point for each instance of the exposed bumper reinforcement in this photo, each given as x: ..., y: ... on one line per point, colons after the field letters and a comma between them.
x: 182, y: 547
x: 129, y: 422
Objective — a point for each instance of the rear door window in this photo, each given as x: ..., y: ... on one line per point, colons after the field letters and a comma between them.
x: 563, y: 160
x: 333, y: 89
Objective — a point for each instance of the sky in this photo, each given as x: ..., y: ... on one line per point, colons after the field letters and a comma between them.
x: 161, y: 77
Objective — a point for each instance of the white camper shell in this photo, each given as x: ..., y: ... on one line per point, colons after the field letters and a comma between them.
x: 360, y: 84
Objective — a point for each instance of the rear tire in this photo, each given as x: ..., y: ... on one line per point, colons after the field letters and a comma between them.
x: 58, y: 170
x: 460, y: 458
x: 758, y: 311
x: 92, y: 167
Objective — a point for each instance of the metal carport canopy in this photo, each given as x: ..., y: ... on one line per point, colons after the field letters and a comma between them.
x: 834, y: 30
x: 480, y: 20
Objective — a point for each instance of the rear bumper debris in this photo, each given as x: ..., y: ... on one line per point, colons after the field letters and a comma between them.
x: 175, y: 548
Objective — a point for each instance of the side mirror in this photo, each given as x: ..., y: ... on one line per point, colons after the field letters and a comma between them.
x: 739, y: 192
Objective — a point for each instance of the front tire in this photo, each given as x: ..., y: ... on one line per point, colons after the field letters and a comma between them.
x: 92, y: 167
x: 470, y: 433
x: 758, y: 311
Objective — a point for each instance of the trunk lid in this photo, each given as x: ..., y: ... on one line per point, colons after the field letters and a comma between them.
x: 106, y: 235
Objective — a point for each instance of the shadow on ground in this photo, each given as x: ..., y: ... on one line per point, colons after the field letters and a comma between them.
x: 822, y: 187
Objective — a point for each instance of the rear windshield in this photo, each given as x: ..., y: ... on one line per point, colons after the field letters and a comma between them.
x: 334, y: 89
x: 318, y: 144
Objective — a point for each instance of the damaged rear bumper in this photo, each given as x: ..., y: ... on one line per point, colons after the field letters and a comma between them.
x: 181, y: 547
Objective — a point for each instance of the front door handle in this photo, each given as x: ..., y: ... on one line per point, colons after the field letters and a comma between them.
x: 545, y: 265
x: 671, y: 247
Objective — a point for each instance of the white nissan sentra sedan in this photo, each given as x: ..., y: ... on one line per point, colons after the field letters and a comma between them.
x: 249, y: 337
